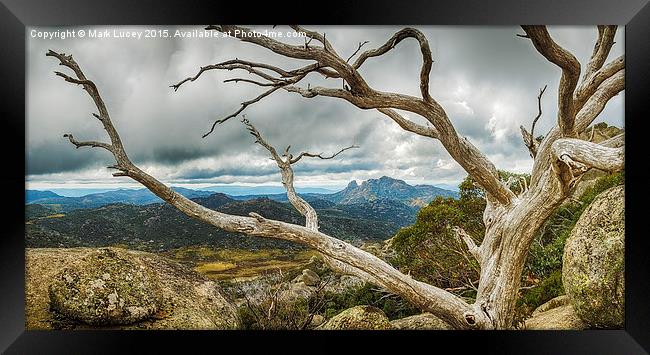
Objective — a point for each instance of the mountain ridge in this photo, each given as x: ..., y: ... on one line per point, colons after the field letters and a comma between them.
x: 370, y: 190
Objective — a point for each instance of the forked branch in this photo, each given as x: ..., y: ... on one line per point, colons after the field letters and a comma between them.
x: 529, y: 138
x: 570, y: 66
x: 360, y: 94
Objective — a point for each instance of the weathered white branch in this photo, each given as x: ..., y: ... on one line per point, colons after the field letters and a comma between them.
x: 469, y: 242
x: 570, y: 75
x: 597, y: 101
x: 362, y: 96
x: 92, y: 144
x: 591, y: 83
x: 427, y: 60
x: 302, y: 206
x: 410, y: 126
x: 580, y: 154
x: 529, y: 138
x: 601, y: 49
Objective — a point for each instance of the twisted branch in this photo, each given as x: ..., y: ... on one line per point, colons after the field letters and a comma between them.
x: 570, y: 66
x: 529, y: 138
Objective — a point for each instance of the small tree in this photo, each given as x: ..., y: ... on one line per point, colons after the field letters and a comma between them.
x: 511, y: 219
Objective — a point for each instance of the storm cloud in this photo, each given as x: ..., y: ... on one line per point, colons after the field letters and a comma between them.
x: 486, y: 78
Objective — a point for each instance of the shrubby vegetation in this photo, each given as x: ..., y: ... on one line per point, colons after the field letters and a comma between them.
x: 392, y: 305
x: 430, y: 251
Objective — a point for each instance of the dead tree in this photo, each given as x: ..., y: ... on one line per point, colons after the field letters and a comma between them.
x: 285, y: 162
x: 511, y: 221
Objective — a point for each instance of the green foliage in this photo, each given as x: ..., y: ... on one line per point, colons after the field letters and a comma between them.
x: 544, y: 260
x: 430, y: 250
x: 545, y: 255
x: 601, y: 125
x: 539, y: 294
x: 392, y: 305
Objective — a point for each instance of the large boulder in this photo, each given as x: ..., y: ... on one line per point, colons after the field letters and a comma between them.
x: 106, y: 287
x: 420, y: 321
x: 358, y: 318
x: 180, y: 298
x: 308, y: 277
x: 593, y: 270
x: 556, y: 314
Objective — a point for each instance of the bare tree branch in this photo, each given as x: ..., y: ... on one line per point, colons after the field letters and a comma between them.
x: 362, y: 96
x: 305, y: 209
x: 591, y: 83
x: 361, y: 44
x: 312, y: 155
x: 91, y: 144
x: 467, y: 239
x: 601, y: 50
x: 609, y: 88
x: 447, y: 306
x: 427, y: 60
x: 410, y: 126
x: 570, y: 75
x: 529, y: 138
x: 582, y: 155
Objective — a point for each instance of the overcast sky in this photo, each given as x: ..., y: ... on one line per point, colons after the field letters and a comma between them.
x: 486, y: 78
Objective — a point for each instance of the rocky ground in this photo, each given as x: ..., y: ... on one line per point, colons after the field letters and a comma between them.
x: 81, y: 288
x: 101, y: 295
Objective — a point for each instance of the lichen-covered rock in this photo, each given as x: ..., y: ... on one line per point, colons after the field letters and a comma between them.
x: 343, y: 284
x: 558, y: 301
x: 188, y: 299
x: 296, y: 291
x: 562, y: 317
x: 316, y: 320
x: 310, y: 278
x: 594, y: 262
x: 358, y: 318
x: 106, y: 287
x: 420, y: 321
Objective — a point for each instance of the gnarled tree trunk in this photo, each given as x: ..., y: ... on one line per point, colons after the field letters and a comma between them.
x: 511, y: 220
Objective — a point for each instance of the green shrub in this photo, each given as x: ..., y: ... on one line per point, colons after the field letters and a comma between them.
x: 539, y: 294
x: 392, y: 305
x: 430, y: 251
x: 545, y: 255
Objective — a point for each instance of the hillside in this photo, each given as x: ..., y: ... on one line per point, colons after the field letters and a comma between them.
x: 384, y: 188
x: 35, y: 195
x: 130, y: 196
x: 159, y: 227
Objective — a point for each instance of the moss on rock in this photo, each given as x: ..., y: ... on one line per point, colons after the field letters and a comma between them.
x: 593, y: 270
x: 106, y: 287
x: 188, y: 300
x: 358, y: 318
x: 420, y: 322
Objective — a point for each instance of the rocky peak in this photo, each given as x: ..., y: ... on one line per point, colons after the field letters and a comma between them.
x: 352, y: 185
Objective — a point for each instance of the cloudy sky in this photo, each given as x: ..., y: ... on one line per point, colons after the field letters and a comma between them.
x: 486, y: 78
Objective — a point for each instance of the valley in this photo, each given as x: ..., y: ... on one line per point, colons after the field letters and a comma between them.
x: 370, y: 212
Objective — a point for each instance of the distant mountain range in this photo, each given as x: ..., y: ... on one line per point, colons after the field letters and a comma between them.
x: 374, y: 210
x: 384, y: 188
x: 160, y: 227
x: 128, y: 196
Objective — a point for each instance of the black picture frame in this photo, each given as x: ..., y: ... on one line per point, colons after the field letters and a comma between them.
x: 16, y: 15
